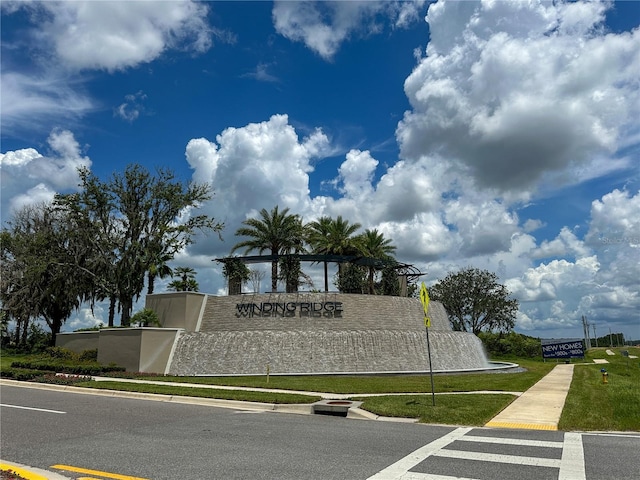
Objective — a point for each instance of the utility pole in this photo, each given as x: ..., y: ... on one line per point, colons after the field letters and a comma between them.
x: 610, y: 338
x: 585, y: 328
x: 594, y: 333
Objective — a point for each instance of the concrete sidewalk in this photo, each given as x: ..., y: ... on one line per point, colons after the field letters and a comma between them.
x: 540, y: 407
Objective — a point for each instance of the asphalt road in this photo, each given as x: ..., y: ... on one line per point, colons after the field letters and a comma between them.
x: 110, y: 437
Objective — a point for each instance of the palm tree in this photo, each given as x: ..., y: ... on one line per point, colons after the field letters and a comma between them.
x: 236, y: 273
x: 187, y: 282
x: 276, y: 231
x: 374, y: 245
x: 328, y: 236
x: 317, y: 236
x: 157, y: 268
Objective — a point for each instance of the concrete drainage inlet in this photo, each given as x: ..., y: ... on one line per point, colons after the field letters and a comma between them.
x: 339, y: 408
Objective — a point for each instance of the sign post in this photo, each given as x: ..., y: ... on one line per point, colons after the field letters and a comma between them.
x: 424, y: 298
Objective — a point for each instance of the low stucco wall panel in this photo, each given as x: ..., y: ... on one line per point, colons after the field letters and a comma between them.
x: 156, y: 347
x: 78, y: 341
x: 177, y: 310
x: 121, y: 346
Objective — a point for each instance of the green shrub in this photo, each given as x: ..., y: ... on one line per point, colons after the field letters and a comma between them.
x: 146, y: 318
x: 352, y: 278
x: 89, y: 355
x: 510, y: 344
x: 38, y: 340
x: 61, y: 353
x: 95, y: 328
x: 87, y: 369
x: 20, y: 374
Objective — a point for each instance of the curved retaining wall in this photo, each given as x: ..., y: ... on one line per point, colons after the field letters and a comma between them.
x: 318, y: 333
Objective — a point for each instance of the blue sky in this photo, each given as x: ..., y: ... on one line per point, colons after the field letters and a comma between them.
x: 499, y: 135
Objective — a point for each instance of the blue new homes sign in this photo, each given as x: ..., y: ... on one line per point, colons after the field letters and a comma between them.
x: 563, y: 348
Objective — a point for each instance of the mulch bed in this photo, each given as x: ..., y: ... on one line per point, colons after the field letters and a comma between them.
x: 10, y: 475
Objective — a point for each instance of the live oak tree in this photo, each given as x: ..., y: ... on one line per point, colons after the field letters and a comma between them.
x: 39, y: 276
x: 475, y: 301
x: 134, y: 224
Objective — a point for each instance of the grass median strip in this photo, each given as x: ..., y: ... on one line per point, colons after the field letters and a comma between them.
x: 239, y: 395
x: 472, y: 410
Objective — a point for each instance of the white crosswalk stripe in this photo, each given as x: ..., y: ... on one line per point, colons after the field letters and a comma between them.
x: 492, y: 457
x: 572, y: 463
x: 570, y: 466
x: 512, y: 441
x: 405, y: 464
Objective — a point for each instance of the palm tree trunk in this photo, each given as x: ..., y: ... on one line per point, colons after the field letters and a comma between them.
x: 326, y: 277
x: 274, y: 276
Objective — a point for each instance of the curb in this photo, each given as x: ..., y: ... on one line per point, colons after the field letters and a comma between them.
x: 31, y: 473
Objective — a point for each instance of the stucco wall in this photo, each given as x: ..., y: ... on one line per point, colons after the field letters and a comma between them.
x: 137, y: 349
x: 78, y: 342
x: 120, y: 346
x: 156, y: 347
x: 177, y: 310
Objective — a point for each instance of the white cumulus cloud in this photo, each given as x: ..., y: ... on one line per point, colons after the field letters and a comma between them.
x: 70, y: 38
x: 29, y: 177
x: 116, y: 35
x: 518, y: 93
x: 324, y: 26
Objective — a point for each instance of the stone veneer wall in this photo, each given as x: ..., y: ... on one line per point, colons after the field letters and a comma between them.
x: 373, y: 334
x: 359, y: 312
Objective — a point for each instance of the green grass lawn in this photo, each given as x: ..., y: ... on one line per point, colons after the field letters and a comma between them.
x: 472, y: 410
x: 7, y: 359
x: 594, y: 405
x: 345, y: 384
x: 240, y: 395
